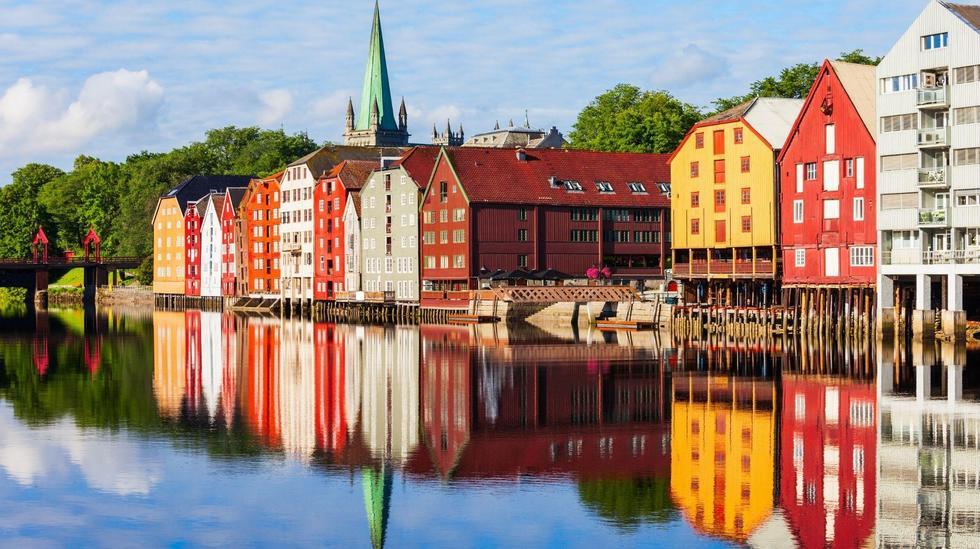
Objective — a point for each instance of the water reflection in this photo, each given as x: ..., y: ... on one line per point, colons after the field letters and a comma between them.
x: 713, y: 442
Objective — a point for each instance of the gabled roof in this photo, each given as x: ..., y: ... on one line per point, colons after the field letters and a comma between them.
x: 235, y: 196
x: 968, y: 13
x: 419, y: 163
x: 218, y: 201
x: 196, y: 186
x: 492, y: 175
x: 773, y: 117
x: 353, y: 173
x: 859, y: 83
x: 322, y: 160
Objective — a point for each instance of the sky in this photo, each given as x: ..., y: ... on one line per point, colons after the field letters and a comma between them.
x: 109, y: 79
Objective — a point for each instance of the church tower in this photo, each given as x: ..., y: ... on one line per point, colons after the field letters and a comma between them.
x: 375, y: 124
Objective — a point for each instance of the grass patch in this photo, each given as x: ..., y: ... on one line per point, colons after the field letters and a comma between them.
x: 74, y: 278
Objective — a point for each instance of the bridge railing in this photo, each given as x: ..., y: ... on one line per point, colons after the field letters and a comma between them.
x: 61, y: 261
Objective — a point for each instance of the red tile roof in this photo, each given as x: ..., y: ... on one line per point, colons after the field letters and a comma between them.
x: 353, y: 174
x: 499, y: 176
x: 418, y: 162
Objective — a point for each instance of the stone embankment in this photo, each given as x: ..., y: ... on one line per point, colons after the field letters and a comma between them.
x: 136, y: 296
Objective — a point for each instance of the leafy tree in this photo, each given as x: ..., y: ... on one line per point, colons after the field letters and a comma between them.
x: 21, y: 211
x: 792, y: 82
x: 629, y: 119
x: 627, y: 502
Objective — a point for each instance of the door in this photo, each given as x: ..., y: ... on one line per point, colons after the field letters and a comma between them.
x: 831, y: 261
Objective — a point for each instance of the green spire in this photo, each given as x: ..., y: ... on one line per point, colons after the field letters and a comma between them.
x: 376, y: 89
x: 377, y: 501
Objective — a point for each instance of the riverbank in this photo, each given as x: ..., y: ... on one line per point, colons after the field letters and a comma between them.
x: 130, y: 296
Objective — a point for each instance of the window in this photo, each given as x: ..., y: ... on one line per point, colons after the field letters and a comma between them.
x: 831, y: 175
x: 694, y: 169
x: 459, y: 261
x: 966, y: 157
x: 616, y: 236
x: 935, y: 41
x: 799, y: 178
x: 862, y: 256
x: 968, y: 74
x: 738, y: 135
x: 800, y: 258
x: 720, y: 200
x: 746, y: 195
x: 894, y: 162
x: 797, y: 211
x: 831, y: 209
x: 745, y: 164
x: 719, y: 142
x: 695, y: 226
x: 459, y: 214
x: 969, y: 197
x: 830, y: 139
x: 895, y: 84
x: 443, y: 216
x: 831, y: 261
x: 899, y: 201
x: 695, y: 199
x: 664, y: 189
x: 522, y: 235
x: 459, y: 236
x: 616, y: 215
x: 746, y: 223
x: 604, y: 186
x: 443, y: 192
x: 443, y: 261
x: 719, y: 171
x: 429, y: 262
x: 699, y: 140
x: 719, y: 231
x: 584, y: 235
x: 860, y: 172
x: 522, y: 261
x: 585, y: 214
x: 849, y: 167
x: 573, y: 186
x: 522, y: 214
x: 899, y: 122
x: 858, y: 208
x: 967, y: 115
x: 637, y: 187
x: 811, y: 171
x: 443, y: 237
x: 642, y: 236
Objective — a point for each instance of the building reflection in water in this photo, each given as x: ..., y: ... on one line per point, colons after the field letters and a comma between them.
x: 723, y: 428
x: 828, y: 439
x: 929, y: 454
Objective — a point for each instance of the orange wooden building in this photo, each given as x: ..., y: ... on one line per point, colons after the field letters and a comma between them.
x: 259, y: 254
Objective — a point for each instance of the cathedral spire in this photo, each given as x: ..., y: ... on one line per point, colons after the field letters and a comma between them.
x: 350, y: 114
x: 376, y: 90
x: 402, y: 116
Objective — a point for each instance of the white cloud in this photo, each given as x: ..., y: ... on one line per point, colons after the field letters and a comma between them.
x: 333, y: 107
x: 276, y: 104
x: 110, y: 462
x: 689, y: 66
x: 35, y: 119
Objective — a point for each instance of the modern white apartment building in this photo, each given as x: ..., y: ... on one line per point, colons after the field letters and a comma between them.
x: 211, y: 248
x: 928, y: 109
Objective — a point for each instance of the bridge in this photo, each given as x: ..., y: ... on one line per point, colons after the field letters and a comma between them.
x: 35, y: 273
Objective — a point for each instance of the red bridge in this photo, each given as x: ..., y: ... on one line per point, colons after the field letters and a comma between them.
x: 34, y: 273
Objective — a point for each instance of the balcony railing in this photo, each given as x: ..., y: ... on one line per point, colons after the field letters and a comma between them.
x: 933, y: 97
x: 936, y: 177
x: 725, y: 267
x: 932, y: 217
x: 930, y: 257
x: 933, y: 137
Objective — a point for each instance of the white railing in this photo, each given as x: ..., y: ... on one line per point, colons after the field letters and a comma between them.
x: 932, y: 97
x: 930, y: 257
x: 933, y: 217
x: 933, y: 137
x: 934, y: 177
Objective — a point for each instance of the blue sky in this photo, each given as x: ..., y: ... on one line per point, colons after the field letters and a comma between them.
x: 112, y: 78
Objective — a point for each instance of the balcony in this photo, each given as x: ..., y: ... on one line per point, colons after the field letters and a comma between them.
x: 933, y: 137
x: 933, y: 217
x: 934, y: 178
x: 933, y: 98
x: 725, y: 268
x: 930, y: 257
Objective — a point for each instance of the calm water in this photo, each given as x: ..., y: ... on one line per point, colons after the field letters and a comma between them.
x: 199, y: 428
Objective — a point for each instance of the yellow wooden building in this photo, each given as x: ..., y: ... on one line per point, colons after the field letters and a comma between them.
x: 168, y: 227
x: 724, y: 199
x: 722, y: 460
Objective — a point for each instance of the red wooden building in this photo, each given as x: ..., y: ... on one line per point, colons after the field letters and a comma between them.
x: 827, y: 470
x: 192, y: 251
x: 542, y: 209
x: 330, y: 197
x: 259, y: 253
x: 828, y: 182
x: 231, y: 239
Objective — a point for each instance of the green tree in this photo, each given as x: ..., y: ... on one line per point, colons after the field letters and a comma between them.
x: 628, y: 502
x: 21, y: 211
x: 629, y: 119
x: 792, y: 82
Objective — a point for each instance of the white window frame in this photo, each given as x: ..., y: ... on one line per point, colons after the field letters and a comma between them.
x: 799, y: 178
x: 830, y: 136
x: 859, y: 172
x: 797, y: 212
x: 858, y: 208
x: 800, y: 257
x: 831, y: 209
x: 831, y: 175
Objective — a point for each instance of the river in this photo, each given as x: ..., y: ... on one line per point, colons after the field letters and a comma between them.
x: 194, y: 428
